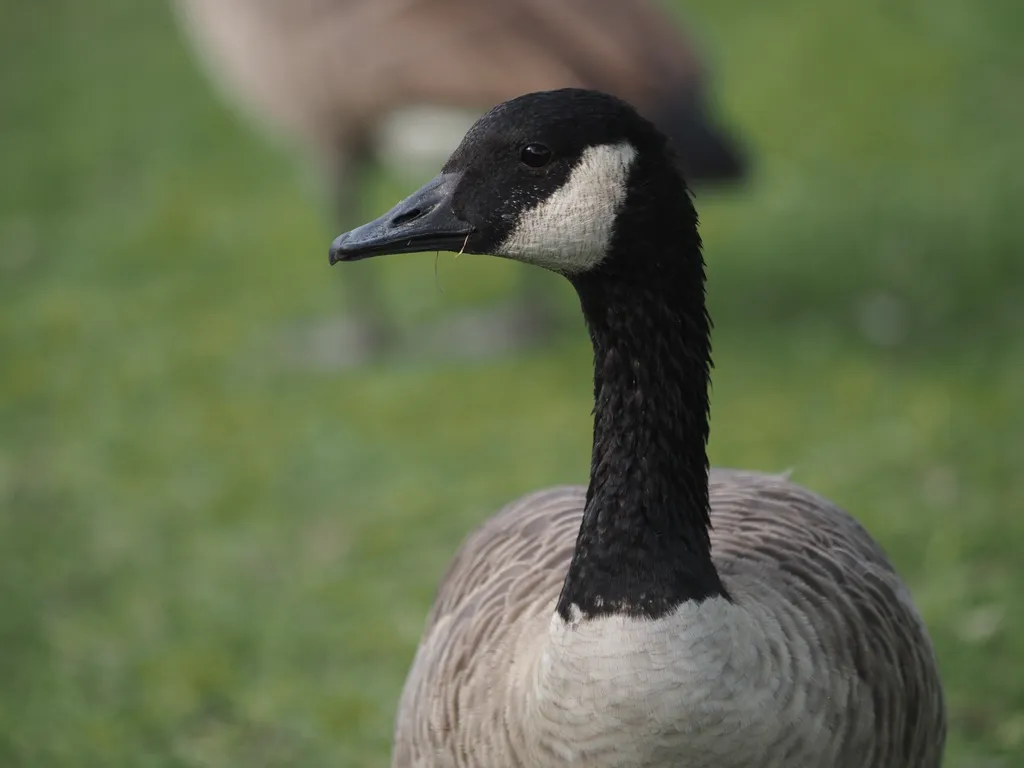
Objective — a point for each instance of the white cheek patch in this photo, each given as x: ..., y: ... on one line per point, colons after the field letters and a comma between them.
x: 571, y: 230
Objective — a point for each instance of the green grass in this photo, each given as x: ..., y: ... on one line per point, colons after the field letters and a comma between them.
x: 210, y: 557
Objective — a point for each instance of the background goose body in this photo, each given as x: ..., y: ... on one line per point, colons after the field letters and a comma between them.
x: 330, y: 71
x: 665, y: 615
x: 347, y: 77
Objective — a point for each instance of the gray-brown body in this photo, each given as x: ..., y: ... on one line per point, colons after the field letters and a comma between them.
x: 820, y: 660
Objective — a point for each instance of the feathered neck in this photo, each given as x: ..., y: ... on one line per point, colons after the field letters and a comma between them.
x: 643, y: 546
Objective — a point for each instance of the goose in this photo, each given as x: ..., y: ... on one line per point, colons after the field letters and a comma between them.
x: 667, y: 614
x: 337, y: 74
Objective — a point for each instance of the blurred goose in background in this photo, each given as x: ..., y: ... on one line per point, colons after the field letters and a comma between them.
x: 612, y: 626
x: 344, y: 76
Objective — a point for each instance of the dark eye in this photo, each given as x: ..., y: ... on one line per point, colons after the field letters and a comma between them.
x: 535, y: 155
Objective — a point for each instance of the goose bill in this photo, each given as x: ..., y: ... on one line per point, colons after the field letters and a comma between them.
x: 424, y: 221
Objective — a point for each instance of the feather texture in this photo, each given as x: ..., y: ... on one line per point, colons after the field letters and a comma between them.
x: 819, y: 615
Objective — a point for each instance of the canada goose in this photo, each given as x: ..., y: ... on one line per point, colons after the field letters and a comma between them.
x: 332, y: 71
x: 612, y: 626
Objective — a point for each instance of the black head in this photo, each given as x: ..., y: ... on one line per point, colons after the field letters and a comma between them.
x: 555, y: 179
x: 577, y: 182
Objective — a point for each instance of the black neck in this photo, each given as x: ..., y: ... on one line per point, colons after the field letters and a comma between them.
x: 643, y: 547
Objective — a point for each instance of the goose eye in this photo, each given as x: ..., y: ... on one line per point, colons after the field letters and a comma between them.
x: 535, y: 155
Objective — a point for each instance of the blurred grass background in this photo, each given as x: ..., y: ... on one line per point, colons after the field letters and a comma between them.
x: 212, y: 556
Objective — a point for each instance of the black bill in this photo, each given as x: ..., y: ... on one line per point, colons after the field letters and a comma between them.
x: 424, y: 221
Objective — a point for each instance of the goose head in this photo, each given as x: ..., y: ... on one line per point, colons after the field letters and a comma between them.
x: 577, y: 182
x: 569, y: 180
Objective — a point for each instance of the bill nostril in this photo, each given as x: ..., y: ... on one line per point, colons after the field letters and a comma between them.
x: 404, y: 218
